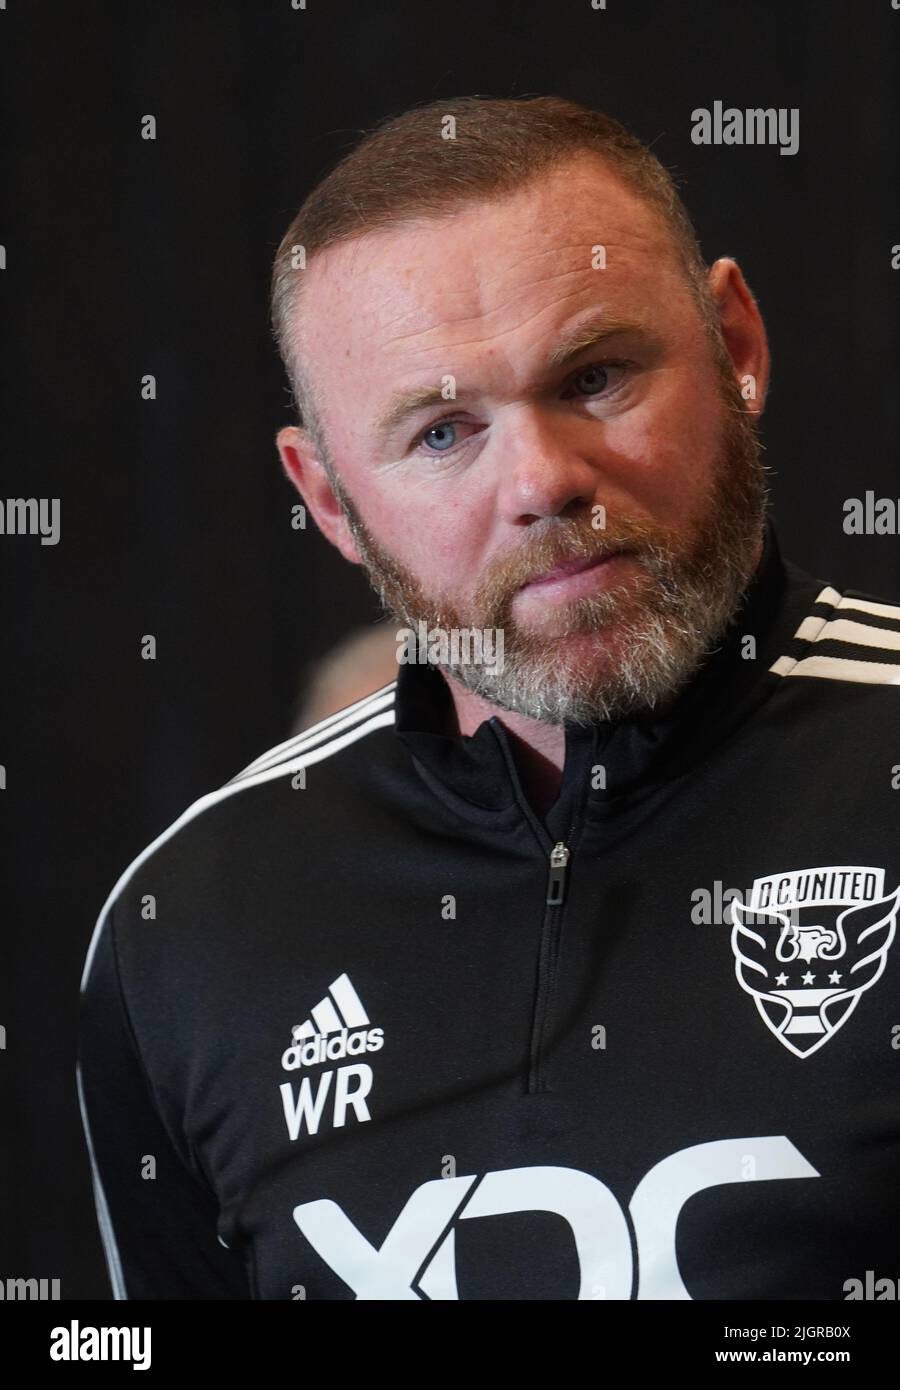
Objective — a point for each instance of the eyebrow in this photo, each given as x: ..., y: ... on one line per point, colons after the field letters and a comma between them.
x: 589, y: 333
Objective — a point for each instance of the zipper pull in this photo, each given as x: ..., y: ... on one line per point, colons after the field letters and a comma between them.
x: 556, y: 883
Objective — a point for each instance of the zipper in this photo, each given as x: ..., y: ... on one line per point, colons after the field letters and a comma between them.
x: 559, y: 856
x: 556, y: 882
x: 548, y: 958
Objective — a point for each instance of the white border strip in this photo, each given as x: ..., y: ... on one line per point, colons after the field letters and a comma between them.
x: 878, y: 610
x: 333, y: 724
x: 836, y: 668
x: 841, y: 629
x: 107, y: 1235
x: 857, y: 634
x: 808, y: 631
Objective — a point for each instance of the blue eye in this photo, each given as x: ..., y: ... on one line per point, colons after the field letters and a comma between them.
x: 597, y: 378
x: 445, y: 432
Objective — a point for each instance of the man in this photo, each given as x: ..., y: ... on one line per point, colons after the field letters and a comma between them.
x: 552, y: 971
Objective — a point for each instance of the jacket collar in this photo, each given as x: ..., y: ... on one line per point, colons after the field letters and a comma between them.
x: 475, y: 774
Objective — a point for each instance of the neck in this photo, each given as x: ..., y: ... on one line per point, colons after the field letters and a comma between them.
x: 539, y: 748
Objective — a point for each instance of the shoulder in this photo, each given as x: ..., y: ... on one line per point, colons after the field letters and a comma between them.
x: 320, y: 741
x: 222, y: 833
x: 846, y: 637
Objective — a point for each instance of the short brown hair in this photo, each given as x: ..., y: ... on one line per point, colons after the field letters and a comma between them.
x: 403, y: 170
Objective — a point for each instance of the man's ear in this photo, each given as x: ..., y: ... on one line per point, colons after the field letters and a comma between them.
x: 299, y: 459
x: 743, y: 330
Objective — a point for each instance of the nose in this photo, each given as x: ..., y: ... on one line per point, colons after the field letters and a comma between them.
x: 542, y: 471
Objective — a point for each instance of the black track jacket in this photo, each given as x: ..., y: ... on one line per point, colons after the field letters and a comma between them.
x: 362, y: 1025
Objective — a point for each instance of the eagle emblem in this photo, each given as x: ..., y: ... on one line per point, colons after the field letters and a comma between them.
x: 806, y: 946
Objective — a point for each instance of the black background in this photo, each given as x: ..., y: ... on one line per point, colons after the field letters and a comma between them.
x: 127, y: 257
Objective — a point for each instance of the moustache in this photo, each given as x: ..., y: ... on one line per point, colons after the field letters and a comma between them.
x: 566, y: 545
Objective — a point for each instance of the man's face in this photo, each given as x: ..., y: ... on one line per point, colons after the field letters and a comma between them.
x: 599, y: 501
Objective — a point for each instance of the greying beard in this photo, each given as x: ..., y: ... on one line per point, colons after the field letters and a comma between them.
x: 655, y: 652
x: 652, y: 635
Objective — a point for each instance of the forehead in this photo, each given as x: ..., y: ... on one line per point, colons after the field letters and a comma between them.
x: 442, y: 294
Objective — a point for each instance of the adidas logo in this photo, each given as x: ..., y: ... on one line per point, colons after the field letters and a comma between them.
x: 338, y: 1027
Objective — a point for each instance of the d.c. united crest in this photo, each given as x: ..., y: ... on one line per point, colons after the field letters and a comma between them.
x: 808, y: 943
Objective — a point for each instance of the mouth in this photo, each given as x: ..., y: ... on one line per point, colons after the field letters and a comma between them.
x: 572, y: 567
